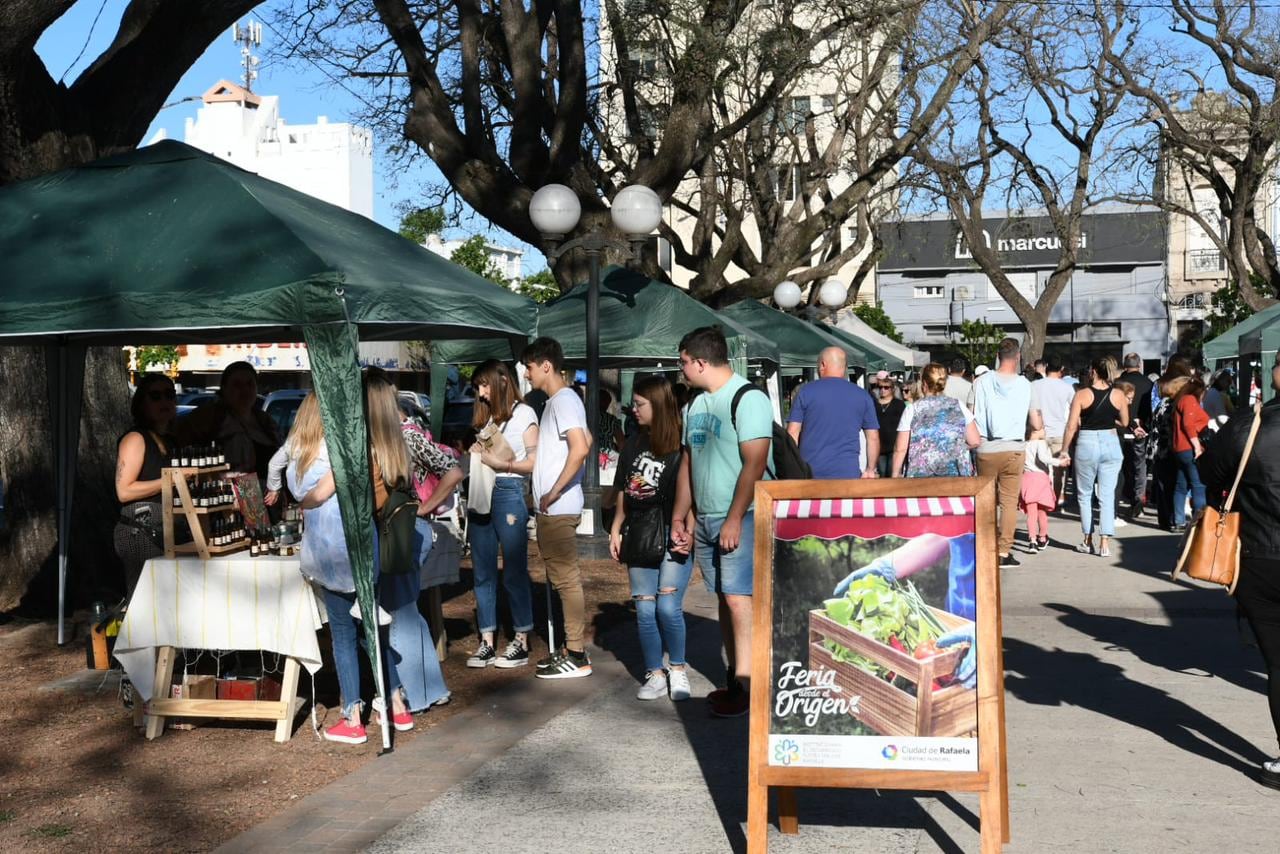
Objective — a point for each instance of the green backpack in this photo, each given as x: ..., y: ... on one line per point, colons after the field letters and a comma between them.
x: 397, y: 532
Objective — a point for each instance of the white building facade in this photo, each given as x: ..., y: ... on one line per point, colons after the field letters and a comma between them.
x: 332, y: 161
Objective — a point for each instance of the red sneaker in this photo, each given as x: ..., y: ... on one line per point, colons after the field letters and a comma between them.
x: 402, y: 721
x: 346, y: 732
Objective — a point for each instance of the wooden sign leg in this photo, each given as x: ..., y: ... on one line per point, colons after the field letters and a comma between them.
x: 164, y: 676
x: 788, y: 814
x: 1004, y: 742
x: 288, y: 696
x: 757, y: 817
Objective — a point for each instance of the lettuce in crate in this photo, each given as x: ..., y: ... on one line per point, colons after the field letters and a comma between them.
x: 893, y: 614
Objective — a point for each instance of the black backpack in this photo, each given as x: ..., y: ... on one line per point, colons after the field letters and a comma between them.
x: 787, y: 464
x: 397, y: 529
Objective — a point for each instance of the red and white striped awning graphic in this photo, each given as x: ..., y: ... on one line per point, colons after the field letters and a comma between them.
x: 872, y: 508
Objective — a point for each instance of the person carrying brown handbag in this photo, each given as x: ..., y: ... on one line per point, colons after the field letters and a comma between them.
x: 1258, y: 502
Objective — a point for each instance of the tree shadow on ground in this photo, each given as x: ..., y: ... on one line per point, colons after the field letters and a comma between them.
x: 1056, y: 677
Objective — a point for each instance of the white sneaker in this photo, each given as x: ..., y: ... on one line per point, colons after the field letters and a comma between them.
x: 679, y: 685
x: 1120, y: 523
x: 655, y: 686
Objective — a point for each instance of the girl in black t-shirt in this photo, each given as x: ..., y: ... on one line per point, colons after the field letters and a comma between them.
x: 641, y: 537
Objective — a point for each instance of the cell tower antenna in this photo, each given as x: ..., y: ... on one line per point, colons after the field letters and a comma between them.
x: 248, y: 37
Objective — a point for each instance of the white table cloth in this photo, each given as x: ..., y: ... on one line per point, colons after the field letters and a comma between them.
x: 236, y: 602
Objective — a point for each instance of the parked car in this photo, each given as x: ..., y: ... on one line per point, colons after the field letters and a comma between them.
x: 419, y: 399
x: 196, y: 397
x: 283, y: 405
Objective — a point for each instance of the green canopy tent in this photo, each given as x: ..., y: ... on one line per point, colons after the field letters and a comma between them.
x: 875, y: 360
x: 168, y: 244
x: 799, y: 343
x: 1227, y: 345
x: 641, y: 323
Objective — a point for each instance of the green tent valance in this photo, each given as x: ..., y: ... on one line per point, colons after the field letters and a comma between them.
x: 798, y: 342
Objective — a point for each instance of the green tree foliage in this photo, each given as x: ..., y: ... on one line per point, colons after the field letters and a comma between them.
x: 472, y: 255
x: 1229, y: 307
x: 541, y: 287
x: 417, y: 223
x: 164, y: 356
x: 979, y: 341
x: 875, y: 317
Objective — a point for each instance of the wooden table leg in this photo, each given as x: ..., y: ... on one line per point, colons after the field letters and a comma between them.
x: 165, y: 656
x: 289, y: 695
x: 788, y: 814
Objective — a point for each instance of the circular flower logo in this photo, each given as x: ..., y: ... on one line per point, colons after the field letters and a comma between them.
x: 890, y: 752
x: 786, y: 752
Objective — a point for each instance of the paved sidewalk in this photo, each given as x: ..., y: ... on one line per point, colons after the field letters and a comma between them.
x: 1135, y: 716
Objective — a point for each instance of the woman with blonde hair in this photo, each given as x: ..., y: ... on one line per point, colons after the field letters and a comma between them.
x: 502, y: 420
x: 935, y: 433
x: 326, y: 563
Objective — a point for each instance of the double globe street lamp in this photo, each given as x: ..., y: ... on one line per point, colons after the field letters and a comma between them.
x: 555, y: 211
x: 832, y: 293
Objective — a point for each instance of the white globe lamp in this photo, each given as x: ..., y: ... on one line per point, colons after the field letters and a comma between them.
x: 786, y: 295
x: 636, y: 210
x: 555, y: 210
x: 833, y: 293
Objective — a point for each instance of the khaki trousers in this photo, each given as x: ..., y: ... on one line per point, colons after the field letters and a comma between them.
x: 558, y: 545
x: 1006, y: 466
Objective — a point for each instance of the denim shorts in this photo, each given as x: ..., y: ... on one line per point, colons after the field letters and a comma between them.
x: 731, y: 573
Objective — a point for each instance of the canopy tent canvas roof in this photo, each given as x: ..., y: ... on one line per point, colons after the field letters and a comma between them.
x: 799, y: 342
x: 1227, y: 345
x: 641, y: 323
x: 170, y: 244
x: 897, y: 356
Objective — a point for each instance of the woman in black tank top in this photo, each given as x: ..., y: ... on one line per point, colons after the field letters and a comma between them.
x: 1096, y: 411
x: 140, y: 455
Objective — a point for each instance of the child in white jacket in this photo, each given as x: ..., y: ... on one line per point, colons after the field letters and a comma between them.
x: 1036, y: 498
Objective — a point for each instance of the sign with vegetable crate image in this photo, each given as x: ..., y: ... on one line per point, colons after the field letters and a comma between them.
x: 874, y: 604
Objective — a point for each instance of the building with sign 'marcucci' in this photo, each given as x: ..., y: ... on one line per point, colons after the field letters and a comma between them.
x: 1115, y: 304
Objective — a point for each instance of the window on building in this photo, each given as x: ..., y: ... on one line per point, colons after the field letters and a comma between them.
x: 1023, y: 283
x: 797, y: 113
x: 928, y: 292
x: 644, y: 59
x: 790, y: 181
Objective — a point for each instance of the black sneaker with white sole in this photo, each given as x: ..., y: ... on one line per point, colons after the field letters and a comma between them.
x: 1009, y: 561
x: 484, y: 655
x: 515, y: 655
x: 566, y: 665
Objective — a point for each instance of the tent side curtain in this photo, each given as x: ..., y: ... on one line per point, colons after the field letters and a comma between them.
x: 336, y: 376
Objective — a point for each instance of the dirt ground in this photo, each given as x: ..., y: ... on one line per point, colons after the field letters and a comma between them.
x: 77, y: 775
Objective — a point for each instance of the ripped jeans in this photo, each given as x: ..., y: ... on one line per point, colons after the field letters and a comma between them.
x: 505, y: 525
x: 659, y: 597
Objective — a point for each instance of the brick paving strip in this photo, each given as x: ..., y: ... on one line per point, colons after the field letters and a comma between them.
x: 353, y: 811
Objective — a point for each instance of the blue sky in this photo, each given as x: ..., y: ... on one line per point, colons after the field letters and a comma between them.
x: 305, y: 93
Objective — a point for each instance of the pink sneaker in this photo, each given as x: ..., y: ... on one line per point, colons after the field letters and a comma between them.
x: 346, y: 732
x: 402, y: 721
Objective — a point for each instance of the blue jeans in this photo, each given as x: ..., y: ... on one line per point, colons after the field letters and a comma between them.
x: 411, y: 648
x: 726, y: 573
x: 659, y: 597
x: 1098, y: 460
x: 1187, y: 480
x: 346, y: 658
x: 506, y: 525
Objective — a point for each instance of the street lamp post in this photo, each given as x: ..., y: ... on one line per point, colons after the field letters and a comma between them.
x: 555, y: 212
x: 832, y: 294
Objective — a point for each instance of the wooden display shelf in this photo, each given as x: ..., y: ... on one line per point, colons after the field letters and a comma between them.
x: 191, y: 548
x: 209, y: 511
x: 196, y: 469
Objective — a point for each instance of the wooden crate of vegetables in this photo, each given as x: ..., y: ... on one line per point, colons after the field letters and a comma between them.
x: 880, y: 639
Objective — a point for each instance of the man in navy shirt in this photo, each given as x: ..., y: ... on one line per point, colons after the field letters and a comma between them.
x: 827, y: 417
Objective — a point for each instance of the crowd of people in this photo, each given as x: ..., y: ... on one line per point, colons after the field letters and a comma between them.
x: 688, y: 462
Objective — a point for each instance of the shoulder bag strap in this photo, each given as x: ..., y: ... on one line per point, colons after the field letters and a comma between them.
x: 1244, y: 460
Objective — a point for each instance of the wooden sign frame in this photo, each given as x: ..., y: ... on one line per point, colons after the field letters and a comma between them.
x: 991, y: 780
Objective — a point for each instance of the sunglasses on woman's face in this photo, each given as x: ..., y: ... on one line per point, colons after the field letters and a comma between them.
x: 158, y: 395
x: 889, y: 387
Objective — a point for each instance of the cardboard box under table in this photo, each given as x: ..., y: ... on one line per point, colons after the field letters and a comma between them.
x: 230, y: 603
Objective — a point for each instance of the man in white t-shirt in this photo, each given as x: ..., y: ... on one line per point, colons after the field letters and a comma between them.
x: 1051, y: 397
x: 563, y: 446
x: 958, y: 388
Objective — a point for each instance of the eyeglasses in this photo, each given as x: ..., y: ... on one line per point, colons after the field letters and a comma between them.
x: 888, y: 387
x: 162, y: 395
